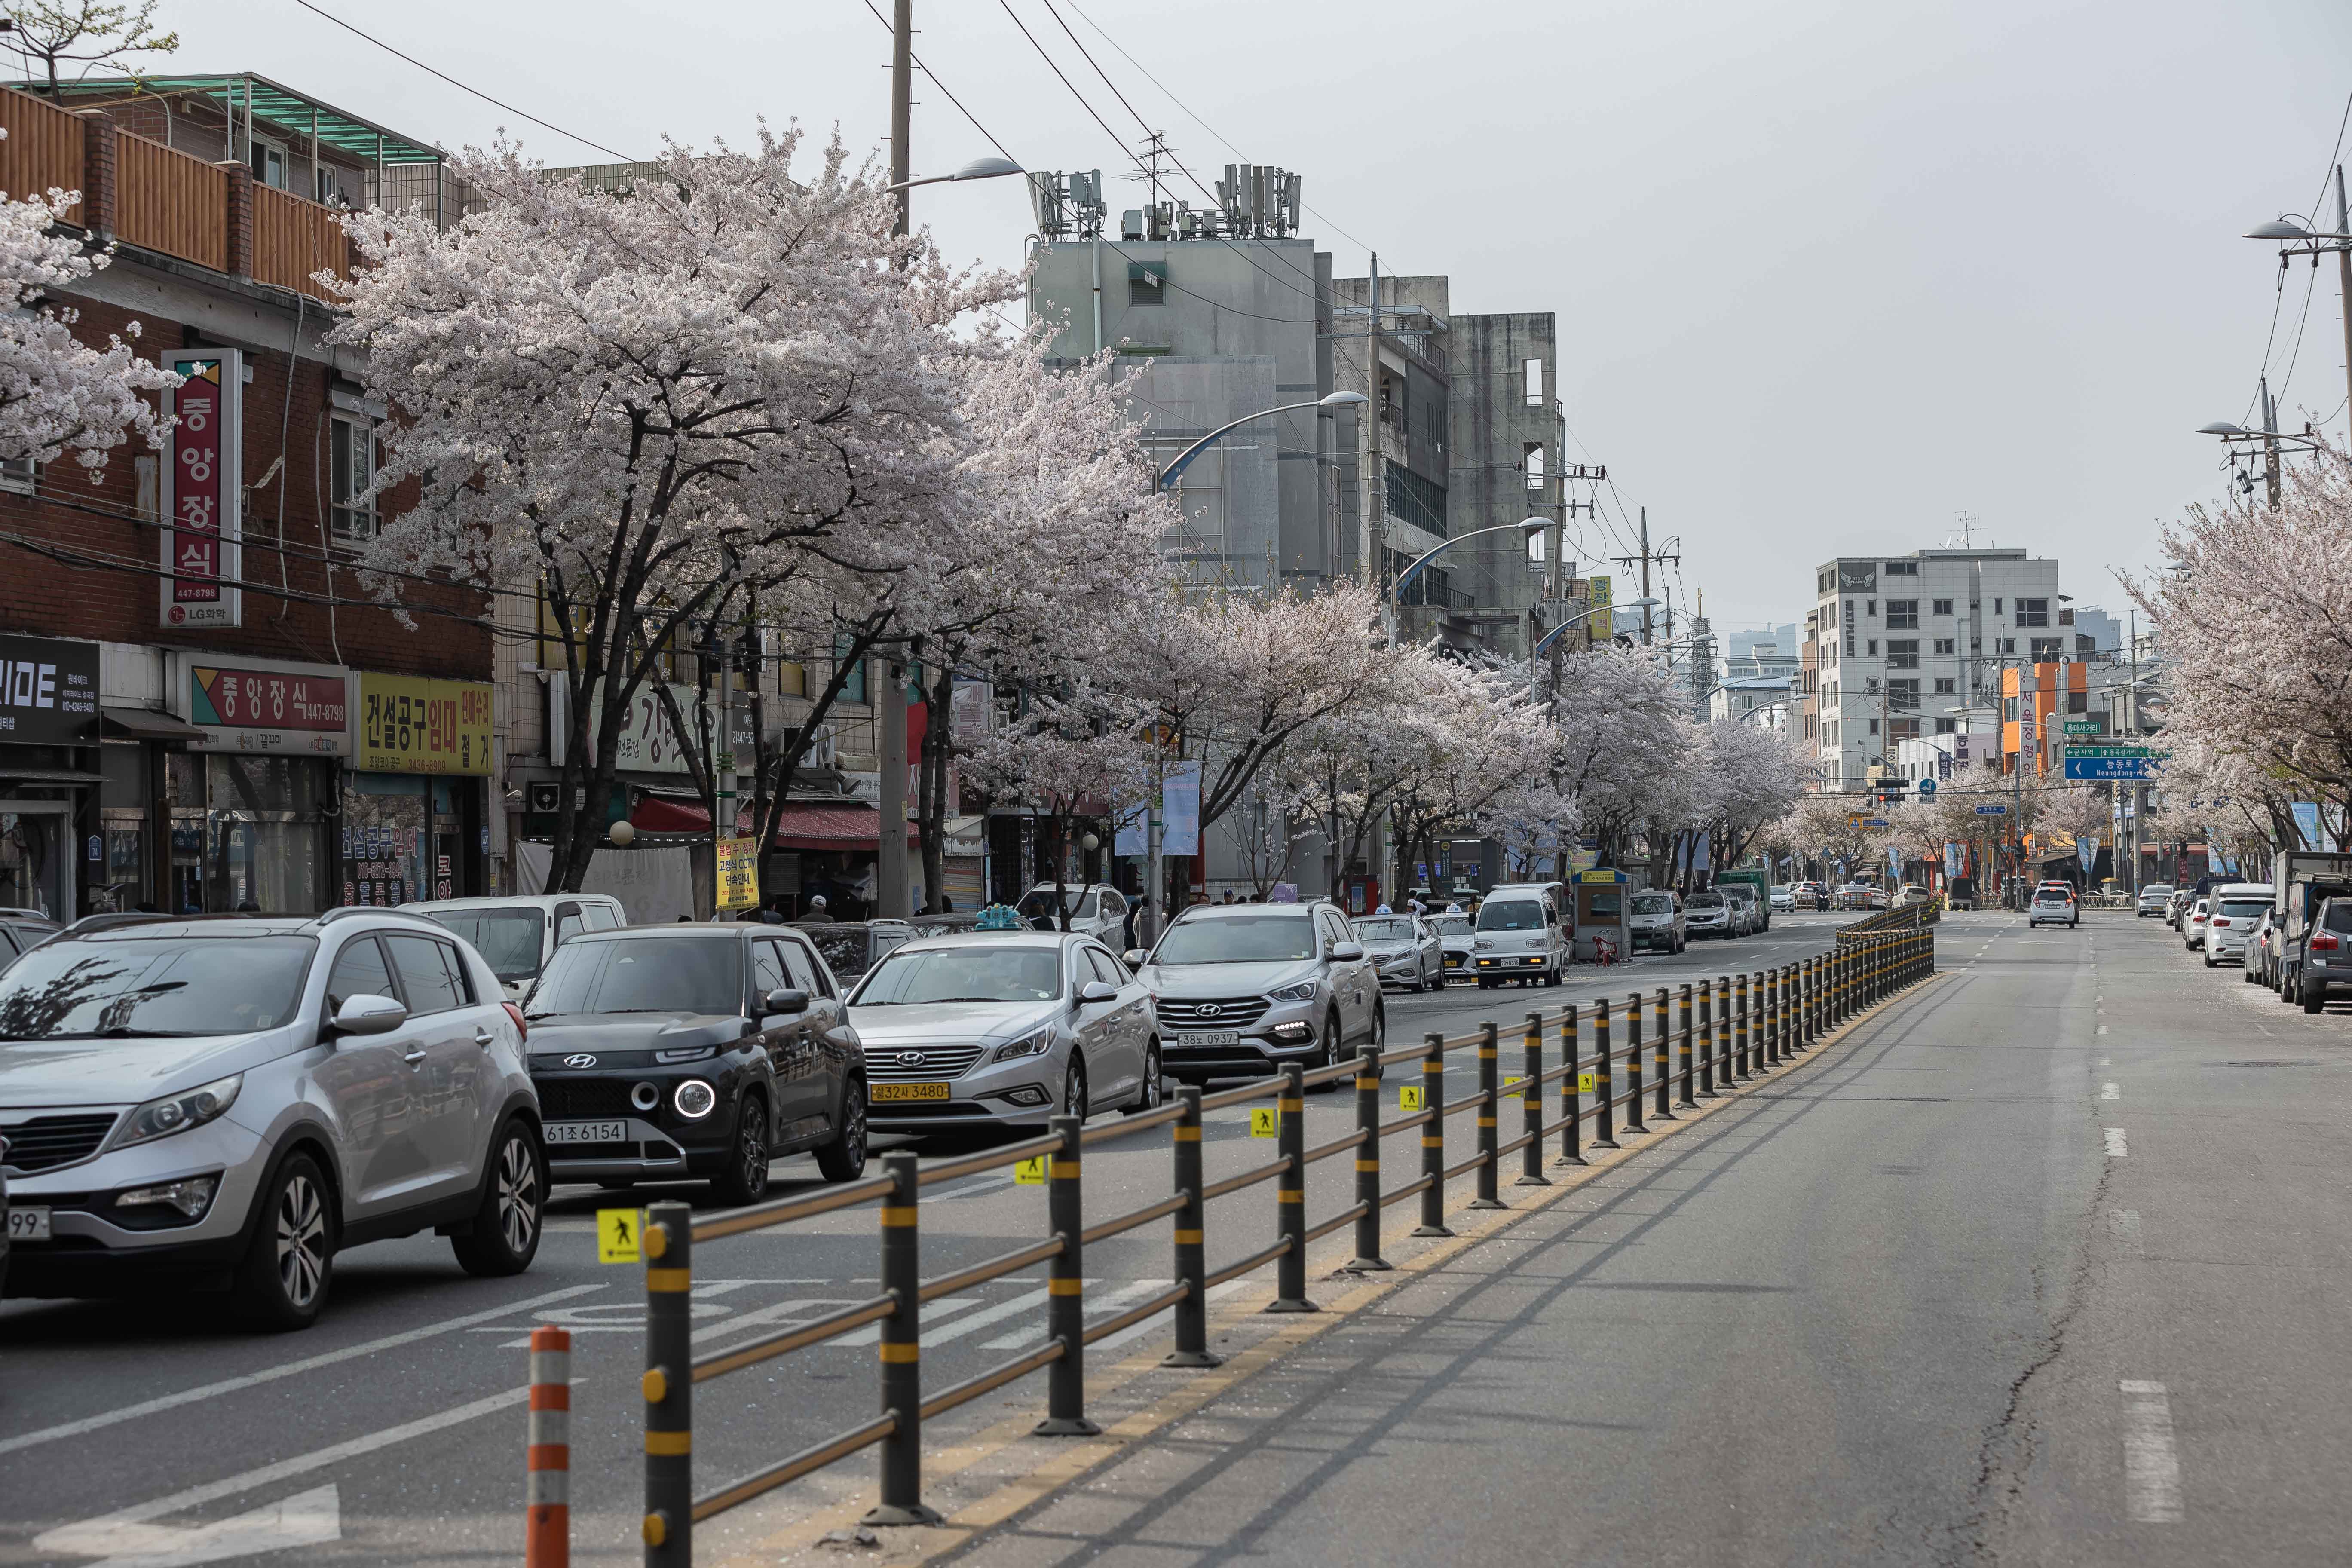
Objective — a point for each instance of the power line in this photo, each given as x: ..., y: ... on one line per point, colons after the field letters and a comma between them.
x: 936, y: 83
x: 461, y: 86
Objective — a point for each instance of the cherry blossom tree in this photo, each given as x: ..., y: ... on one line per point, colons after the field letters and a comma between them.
x: 1627, y: 743
x: 1752, y: 777
x: 57, y: 394
x: 730, y: 379
x: 1065, y: 762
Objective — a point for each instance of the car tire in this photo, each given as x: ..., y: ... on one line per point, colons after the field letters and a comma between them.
x: 2314, y: 996
x: 842, y: 1158
x: 1074, y: 1087
x: 743, y: 1180
x: 2210, y: 961
x: 1149, y: 1092
x: 281, y: 1283
x: 505, y: 1234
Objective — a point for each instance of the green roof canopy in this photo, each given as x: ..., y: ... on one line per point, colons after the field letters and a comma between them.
x: 282, y: 105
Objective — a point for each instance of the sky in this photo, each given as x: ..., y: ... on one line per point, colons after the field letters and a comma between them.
x: 1827, y: 274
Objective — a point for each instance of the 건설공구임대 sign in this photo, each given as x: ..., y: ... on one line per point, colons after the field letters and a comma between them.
x: 414, y: 724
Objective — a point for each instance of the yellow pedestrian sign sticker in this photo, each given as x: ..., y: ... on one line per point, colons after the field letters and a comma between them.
x: 1031, y: 1173
x: 1584, y: 1083
x: 1409, y: 1096
x: 617, y: 1231
x: 1511, y: 1088
x: 1265, y: 1122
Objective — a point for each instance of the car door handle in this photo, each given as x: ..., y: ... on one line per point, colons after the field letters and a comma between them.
x: 483, y: 1037
x: 414, y: 1057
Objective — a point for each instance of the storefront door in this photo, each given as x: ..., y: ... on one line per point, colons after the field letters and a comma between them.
x: 37, y: 861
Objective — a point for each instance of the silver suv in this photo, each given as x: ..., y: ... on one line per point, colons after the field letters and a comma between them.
x: 226, y: 1102
x: 1240, y: 989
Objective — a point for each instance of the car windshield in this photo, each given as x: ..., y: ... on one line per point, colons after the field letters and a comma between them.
x: 643, y: 974
x: 1039, y: 902
x: 507, y: 938
x: 154, y: 987
x: 1239, y: 938
x: 1654, y: 904
x: 2242, y: 911
x: 1704, y: 901
x: 1738, y: 891
x: 1392, y: 928
x: 1510, y: 914
x: 910, y: 977
x: 843, y: 946
x: 1450, y: 925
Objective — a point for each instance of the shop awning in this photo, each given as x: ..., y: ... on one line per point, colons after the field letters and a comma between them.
x: 146, y: 724
x: 805, y: 824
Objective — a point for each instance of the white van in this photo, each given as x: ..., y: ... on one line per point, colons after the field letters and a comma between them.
x: 1520, y: 937
x: 517, y: 936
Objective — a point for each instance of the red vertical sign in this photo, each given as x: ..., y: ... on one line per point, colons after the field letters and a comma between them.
x: 202, y: 489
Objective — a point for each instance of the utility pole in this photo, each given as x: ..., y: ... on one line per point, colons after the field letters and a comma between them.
x: 2344, y: 273
x: 1367, y: 495
x: 890, y: 702
x: 1647, y: 556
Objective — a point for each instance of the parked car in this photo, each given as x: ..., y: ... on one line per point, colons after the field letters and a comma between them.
x: 379, y: 1086
x: 1457, y: 936
x: 1784, y: 899
x: 1658, y: 921
x: 1854, y: 895
x: 2254, y: 967
x: 1099, y: 912
x: 2054, y: 906
x: 1242, y: 989
x: 1521, y: 937
x: 1707, y: 913
x: 2178, y: 906
x: 1747, y: 909
x: 2236, y: 906
x: 517, y: 936
x: 1004, y: 1029
x: 2327, y: 953
x: 2152, y: 900
x: 663, y: 1052
x: 1912, y: 893
x: 850, y: 948
x: 2192, y: 924
x: 1403, y: 949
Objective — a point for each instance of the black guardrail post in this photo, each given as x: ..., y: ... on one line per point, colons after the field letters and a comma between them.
x: 1290, y: 1197
x: 668, y: 1385
x: 1192, y: 1236
x: 1368, y: 1258
x: 1065, y: 1288
x: 1603, y: 1092
x: 1571, y: 1107
x: 1634, y: 1122
x: 1770, y: 980
x: 1490, y: 1107
x: 1659, y: 1060
x: 1706, y: 1039
x: 902, y: 1355
x: 1690, y: 1044
x: 1433, y: 1137
x: 1531, y: 1106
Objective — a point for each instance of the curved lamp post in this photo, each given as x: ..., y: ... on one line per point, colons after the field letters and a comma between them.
x: 1336, y: 400
x: 978, y: 169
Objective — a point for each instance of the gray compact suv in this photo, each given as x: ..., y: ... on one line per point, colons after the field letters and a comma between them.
x: 226, y: 1102
x: 1242, y: 989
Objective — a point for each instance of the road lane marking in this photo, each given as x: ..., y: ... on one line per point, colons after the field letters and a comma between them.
x: 2102, y: 1030
x: 118, y: 1532
x: 2151, y: 1467
x: 2111, y: 1091
x: 1099, y: 1307
x: 2116, y: 1145
x: 307, y: 1518
x: 2124, y: 1226
x: 872, y: 1332
x: 291, y: 1368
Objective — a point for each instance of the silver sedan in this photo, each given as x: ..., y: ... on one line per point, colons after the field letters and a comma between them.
x: 1405, y: 950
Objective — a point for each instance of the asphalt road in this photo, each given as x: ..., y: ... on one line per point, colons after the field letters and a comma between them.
x: 152, y: 1432
x: 2049, y: 1262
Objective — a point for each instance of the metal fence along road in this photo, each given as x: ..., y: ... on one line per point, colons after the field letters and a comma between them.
x: 1703, y: 1041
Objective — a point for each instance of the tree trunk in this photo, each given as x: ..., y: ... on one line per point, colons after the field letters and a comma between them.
x: 931, y: 794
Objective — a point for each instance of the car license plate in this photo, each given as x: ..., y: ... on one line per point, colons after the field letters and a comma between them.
x: 587, y: 1132
x: 28, y: 1225
x: 885, y: 1093
x: 1221, y: 1038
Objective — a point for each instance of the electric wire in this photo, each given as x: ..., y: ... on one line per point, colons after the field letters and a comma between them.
x: 918, y: 62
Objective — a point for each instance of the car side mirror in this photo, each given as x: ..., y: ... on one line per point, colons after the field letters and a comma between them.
x: 1346, y: 951
x: 1098, y: 991
x: 369, y: 1015
x: 1137, y: 958
x: 786, y: 1000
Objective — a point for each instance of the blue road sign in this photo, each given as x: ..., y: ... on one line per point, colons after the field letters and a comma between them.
x: 1927, y: 786
x: 1992, y: 811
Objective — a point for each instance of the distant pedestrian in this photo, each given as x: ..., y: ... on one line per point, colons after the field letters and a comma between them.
x: 815, y: 913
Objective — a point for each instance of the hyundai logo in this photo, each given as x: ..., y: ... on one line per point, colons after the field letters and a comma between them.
x: 1209, y: 1009
x: 911, y: 1058
x: 580, y: 1061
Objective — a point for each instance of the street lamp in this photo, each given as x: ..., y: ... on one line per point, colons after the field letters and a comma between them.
x: 1546, y: 640
x: 978, y: 169
x: 2295, y: 237
x: 1528, y: 528
x: 1336, y: 400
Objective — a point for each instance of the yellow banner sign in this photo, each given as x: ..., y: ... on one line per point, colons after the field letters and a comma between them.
x: 411, y: 724
x: 738, y: 873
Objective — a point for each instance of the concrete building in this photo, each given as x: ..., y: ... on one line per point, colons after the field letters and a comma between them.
x: 1895, y: 644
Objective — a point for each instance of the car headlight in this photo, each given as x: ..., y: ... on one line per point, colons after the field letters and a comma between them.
x: 1483, y: 944
x: 178, y: 1112
x: 1302, y: 992
x: 190, y: 1197
x: 1031, y: 1045
x: 695, y: 1100
x: 686, y: 1054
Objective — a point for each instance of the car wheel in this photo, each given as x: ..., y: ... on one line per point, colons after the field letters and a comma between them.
x: 506, y: 1230
x: 2210, y: 961
x: 844, y: 1159
x: 744, y: 1178
x: 281, y: 1283
x: 1074, y: 1087
x: 2315, y: 996
x: 1147, y: 1097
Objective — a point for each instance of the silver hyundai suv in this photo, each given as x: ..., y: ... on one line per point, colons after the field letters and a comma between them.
x: 225, y: 1102
x: 1240, y: 989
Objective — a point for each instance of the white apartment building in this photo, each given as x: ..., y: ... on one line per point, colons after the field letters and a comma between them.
x: 1895, y: 643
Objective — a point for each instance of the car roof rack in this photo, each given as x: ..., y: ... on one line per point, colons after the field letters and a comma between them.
x: 345, y: 911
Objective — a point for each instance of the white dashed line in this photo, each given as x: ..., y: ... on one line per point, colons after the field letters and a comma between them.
x: 2124, y: 1226
x: 2115, y: 1147
x: 2151, y: 1467
x: 2111, y: 1091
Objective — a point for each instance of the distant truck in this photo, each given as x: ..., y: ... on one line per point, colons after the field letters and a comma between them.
x: 2300, y: 878
x: 1760, y: 880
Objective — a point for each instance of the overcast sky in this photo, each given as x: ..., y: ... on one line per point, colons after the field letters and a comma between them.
x: 1828, y: 273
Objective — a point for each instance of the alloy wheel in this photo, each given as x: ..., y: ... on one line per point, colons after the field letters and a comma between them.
x: 301, y: 1224
x: 519, y: 1194
x: 1074, y: 1088
x: 752, y: 1147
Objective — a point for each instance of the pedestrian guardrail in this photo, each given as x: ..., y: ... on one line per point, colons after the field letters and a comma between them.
x: 1902, y: 917
x: 1721, y: 1034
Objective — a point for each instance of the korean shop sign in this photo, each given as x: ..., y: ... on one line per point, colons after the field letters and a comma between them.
x: 409, y: 724
x: 204, y: 470
x: 263, y: 705
x: 48, y: 692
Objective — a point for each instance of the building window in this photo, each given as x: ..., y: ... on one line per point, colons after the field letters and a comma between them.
x: 1870, y: 607
x: 1903, y: 729
x: 1903, y: 653
x: 1873, y: 726
x: 1147, y: 282
x: 1870, y: 646
x: 1417, y: 500
x: 350, y: 457
x: 1946, y: 686
x: 1902, y: 614
x: 1903, y: 697
x: 2045, y: 650
x: 2008, y: 644
x: 2078, y: 702
x: 1534, y: 369
x: 1943, y: 645
x: 2033, y: 612
x: 1944, y: 726
x: 21, y: 475
x: 2009, y: 709
x: 1903, y: 569
x: 1943, y: 607
x: 1996, y: 606
x: 1532, y: 460
x: 268, y: 165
